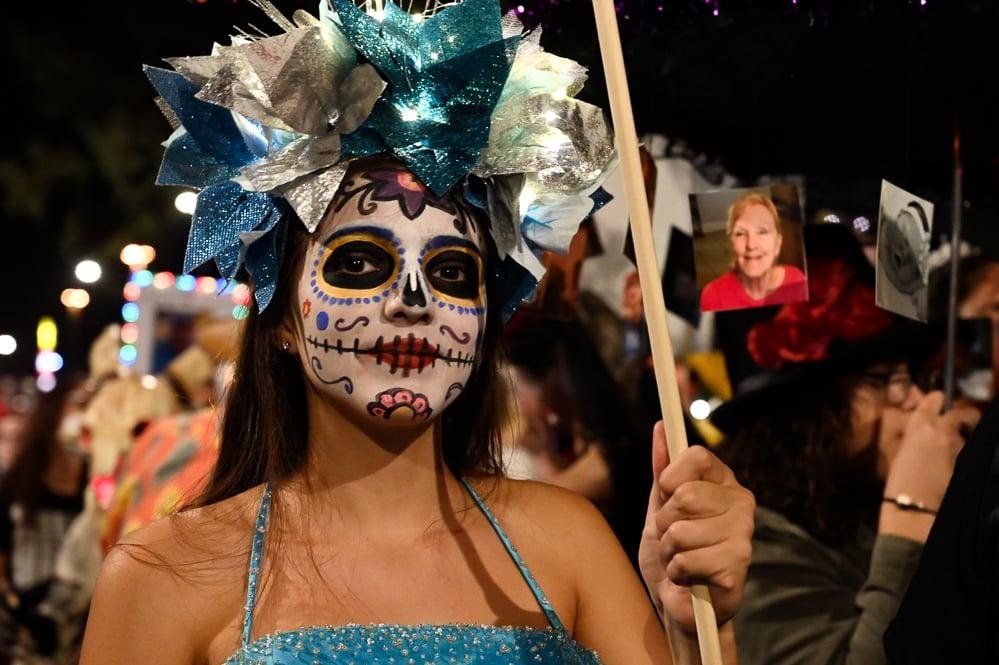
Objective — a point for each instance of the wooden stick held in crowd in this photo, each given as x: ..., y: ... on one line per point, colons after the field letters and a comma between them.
x: 652, y: 291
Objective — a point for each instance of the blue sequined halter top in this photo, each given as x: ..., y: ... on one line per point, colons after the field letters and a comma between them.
x: 385, y: 644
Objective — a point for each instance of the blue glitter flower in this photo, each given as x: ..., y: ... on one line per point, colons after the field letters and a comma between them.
x: 234, y: 227
x: 445, y: 75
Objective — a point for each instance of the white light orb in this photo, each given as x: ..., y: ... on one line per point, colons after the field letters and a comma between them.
x: 186, y: 202
x: 8, y: 345
x: 700, y: 409
x: 88, y: 271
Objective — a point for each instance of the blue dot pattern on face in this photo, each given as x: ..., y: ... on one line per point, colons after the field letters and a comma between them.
x: 322, y: 320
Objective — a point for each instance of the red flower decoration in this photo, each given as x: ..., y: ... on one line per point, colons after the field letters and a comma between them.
x: 840, y: 309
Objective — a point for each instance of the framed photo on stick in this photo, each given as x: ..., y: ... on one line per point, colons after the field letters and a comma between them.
x: 749, y: 248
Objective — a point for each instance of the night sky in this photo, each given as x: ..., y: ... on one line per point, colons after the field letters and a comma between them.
x: 845, y: 93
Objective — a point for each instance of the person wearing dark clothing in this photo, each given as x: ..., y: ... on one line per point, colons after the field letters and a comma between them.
x: 949, y: 613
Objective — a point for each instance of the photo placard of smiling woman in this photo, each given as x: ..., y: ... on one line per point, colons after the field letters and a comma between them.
x: 756, y: 276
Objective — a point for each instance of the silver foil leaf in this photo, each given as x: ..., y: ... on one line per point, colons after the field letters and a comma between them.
x: 310, y: 195
x: 298, y: 158
x: 587, y: 129
x: 196, y: 69
x: 357, y: 96
x: 286, y: 81
x: 503, y: 204
x: 304, y: 19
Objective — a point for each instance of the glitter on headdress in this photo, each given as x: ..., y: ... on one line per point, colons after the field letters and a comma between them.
x: 462, y: 95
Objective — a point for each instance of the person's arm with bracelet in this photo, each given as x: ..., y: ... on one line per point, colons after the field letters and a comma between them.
x: 915, y: 486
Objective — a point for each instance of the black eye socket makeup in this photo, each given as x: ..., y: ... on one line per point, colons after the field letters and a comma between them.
x: 358, y: 264
x: 454, y: 273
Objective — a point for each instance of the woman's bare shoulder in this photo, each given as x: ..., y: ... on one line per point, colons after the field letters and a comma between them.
x: 172, y: 586
x: 197, y: 536
x: 558, y: 512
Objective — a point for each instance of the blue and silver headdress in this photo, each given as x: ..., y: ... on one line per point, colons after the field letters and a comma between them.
x: 460, y: 96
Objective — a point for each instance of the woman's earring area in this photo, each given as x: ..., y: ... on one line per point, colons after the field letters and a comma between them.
x: 285, y: 346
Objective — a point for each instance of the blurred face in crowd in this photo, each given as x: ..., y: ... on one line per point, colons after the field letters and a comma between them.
x: 983, y: 303
x: 11, y: 428
x: 755, y: 241
x: 882, y: 404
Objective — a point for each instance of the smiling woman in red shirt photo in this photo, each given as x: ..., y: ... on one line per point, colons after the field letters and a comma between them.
x: 756, y: 278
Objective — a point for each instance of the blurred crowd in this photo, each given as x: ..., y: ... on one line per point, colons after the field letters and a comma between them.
x: 830, y: 411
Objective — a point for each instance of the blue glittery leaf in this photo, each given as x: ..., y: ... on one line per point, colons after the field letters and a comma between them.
x: 185, y: 163
x: 445, y: 77
x: 512, y: 285
x: 362, y: 143
x: 386, y: 43
x: 222, y: 213
x: 462, y: 28
x: 263, y: 259
x: 209, y: 125
x: 451, y: 105
x: 227, y: 262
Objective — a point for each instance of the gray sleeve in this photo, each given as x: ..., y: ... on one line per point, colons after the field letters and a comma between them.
x: 893, y: 564
x: 802, y: 604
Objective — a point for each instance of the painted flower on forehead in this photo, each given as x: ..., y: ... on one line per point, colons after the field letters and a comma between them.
x: 399, y: 185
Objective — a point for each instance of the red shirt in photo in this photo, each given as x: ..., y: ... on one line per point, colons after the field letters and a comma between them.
x: 726, y: 292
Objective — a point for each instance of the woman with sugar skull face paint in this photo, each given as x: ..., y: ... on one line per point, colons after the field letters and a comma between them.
x: 357, y: 511
x: 393, y: 299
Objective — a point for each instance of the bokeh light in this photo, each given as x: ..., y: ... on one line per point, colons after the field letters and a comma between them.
x: 48, y: 362
x: 163, y: 280
x: 186, y: 282
x: 129, y: 333
x: 241, y: 294
x: 47, y: 334
x: 127, y: 355
x: 700, y: 409
x: 132, y: 291
x: 74, y: 298
x: 46, y: 383
x: 207, y: 285
x: 88, y: 271
x: 186, y: 202
x: 8, y: 345
x: 142, y: 278
x: 130, y: 312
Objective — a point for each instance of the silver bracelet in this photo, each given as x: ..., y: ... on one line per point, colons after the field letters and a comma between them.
x: 906, y: 502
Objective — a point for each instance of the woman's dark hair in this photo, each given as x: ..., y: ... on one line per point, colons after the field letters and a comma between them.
x: 265, y: 421
x: 794, y: 461
x: 564, y: 349
x: 24, y: 482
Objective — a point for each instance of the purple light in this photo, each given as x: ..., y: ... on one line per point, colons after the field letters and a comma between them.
x: 862, y: 224
x: 922, y: 3
x: 520, y: 9
x: 715, y: 13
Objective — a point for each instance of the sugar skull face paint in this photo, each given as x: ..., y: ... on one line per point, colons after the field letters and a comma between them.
x: 392, y: 298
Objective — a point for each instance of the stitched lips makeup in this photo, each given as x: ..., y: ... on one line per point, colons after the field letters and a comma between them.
x: 407, y: 353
